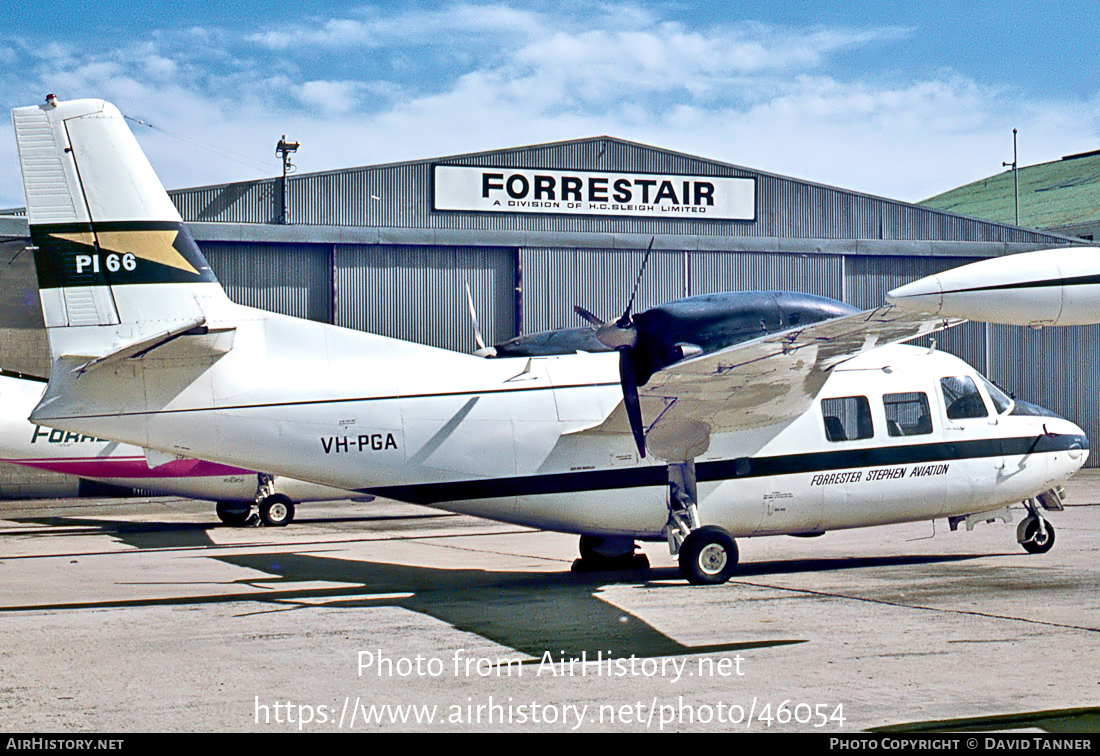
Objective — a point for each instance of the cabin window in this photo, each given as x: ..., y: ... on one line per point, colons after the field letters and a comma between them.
x: 962, y: 399
x: 907, y: 414
x: 847, y: 418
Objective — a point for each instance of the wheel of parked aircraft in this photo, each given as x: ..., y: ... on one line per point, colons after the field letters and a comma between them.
x: 708, y: 556
x: 233, y: 512
x: 1035, y: 542
x: 277, y: 510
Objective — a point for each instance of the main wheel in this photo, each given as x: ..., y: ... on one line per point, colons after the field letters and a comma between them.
x: 1034, y: 541
x: 603, y: 553
x: 277, y: 511
x: 233, y: 512
x: 708, y: 556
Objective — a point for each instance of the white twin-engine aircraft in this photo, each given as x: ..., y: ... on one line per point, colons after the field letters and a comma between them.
x: 715, y: 417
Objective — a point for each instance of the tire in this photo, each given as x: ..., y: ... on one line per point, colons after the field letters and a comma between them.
x: 605, y: 548
x: 277, y: 511
x: 1034, y: 542
x: 233, y: 512
x: 708, y: 556
x: 593, y: 558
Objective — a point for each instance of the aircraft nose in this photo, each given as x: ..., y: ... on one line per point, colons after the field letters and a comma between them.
x: 1075, y: 442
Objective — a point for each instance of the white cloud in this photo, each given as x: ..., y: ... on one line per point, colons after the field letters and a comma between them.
x: 415, y: 26
x: 331, y: 96
x: 762, y: 96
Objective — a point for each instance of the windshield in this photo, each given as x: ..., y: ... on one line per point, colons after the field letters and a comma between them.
x: 1002, y: 402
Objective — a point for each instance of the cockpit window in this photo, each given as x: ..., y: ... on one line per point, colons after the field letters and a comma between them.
x: 907, y: 414
x: 1002, y: 402
x: 962, y: 399
x: 847, y: 418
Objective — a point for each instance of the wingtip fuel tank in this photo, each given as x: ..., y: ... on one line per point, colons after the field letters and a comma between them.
x: 1054, y: 287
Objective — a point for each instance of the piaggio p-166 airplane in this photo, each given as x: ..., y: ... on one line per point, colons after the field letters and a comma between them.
x: 716, y: 417
x: 236, y: 491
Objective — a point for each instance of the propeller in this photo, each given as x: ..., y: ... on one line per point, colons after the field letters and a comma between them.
x: 622, y: 336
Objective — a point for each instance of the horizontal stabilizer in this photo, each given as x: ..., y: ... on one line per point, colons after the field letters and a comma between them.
x: 215, y: 342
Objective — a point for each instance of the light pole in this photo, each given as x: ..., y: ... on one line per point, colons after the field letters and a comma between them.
x: 283, y: 149
x: 1015, y: 176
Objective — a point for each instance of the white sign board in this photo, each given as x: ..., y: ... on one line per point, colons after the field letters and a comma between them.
x: 653, y: 195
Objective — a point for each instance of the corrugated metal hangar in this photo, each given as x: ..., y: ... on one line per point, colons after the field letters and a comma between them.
x: 533, y: 231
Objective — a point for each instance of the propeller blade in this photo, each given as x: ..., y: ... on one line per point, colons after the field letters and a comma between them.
x: 473, y: 316
x: 592, y: 319
x: 637, y: 282
x: 631, y: 403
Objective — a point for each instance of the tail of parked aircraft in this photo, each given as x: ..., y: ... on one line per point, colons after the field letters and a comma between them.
x: 117, y: 269
x: 141, y: 334
x: 118, y: 273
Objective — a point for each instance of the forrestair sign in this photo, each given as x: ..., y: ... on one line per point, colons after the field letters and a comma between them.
x: 655, y: 195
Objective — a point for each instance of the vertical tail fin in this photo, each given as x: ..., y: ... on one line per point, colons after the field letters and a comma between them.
x: 115, y: 263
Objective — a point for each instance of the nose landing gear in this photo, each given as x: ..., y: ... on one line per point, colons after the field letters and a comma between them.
x: 1034, y: 533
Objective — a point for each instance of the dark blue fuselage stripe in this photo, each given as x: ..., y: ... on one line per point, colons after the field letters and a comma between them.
x: 1075, y: 281
x: 745, y: 467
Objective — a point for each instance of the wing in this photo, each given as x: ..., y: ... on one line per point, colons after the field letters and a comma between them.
x: 764, y: 382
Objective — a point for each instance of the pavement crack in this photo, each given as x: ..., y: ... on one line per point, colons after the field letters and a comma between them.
x: 942, y: 610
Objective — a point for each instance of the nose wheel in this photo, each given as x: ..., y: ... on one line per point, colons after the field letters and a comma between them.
x: 1036, y: 535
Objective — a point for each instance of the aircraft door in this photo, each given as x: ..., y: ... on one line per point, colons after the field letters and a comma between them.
x: 975, y: 446
x: 912, y: 434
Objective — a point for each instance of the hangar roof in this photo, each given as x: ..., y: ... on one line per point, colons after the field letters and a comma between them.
x: 393, y: 204
x: 1060, y: 195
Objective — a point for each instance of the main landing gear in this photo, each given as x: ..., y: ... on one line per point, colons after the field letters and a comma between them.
x: 275, y: 510
x: 707, y: 554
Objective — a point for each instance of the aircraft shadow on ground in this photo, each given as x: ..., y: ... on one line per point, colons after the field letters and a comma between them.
x: 531, y: 612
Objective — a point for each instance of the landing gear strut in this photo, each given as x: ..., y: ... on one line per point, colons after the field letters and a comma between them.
x: 708, y: 554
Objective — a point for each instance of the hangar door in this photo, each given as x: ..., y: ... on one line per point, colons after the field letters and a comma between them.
x: 292, y: 279
x: 418, y: 293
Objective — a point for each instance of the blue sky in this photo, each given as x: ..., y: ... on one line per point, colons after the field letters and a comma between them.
x: 900, y: 100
